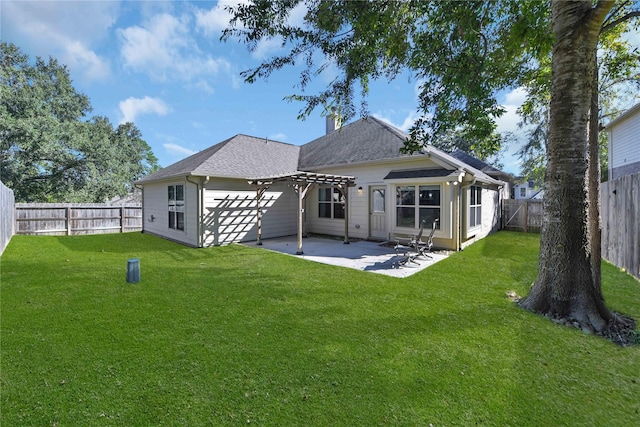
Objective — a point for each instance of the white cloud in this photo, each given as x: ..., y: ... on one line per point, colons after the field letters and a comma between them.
x: 407, y: 122
x: 178, y: 150
x: 66, y: 31
x: 266, y: 47
x: 211, y: 22
x: 79, y: 56
x: 163, y: 49
x: 132, y: 107
x: 508, y: 122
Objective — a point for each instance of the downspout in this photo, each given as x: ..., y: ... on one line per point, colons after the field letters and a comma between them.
x: 199, y: 207
x: 141, y: 188
x: 462, y: 187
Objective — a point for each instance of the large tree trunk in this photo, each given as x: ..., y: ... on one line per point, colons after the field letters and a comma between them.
x: 565, y: 287
x: 593, y: 179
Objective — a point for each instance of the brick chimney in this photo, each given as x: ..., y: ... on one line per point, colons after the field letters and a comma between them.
x: 333, y: 121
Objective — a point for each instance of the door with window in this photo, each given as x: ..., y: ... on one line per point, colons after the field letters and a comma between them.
x: 377, y: 213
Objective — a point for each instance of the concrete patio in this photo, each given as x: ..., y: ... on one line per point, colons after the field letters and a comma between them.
x: 360, y: 255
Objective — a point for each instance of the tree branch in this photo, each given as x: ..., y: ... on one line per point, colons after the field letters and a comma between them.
x: 603, y: 7
x: 628, y: 16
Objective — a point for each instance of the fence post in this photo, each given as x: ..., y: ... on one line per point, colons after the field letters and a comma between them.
x: 121, y: 219
x: 68, y: 220
x: 526, y: 216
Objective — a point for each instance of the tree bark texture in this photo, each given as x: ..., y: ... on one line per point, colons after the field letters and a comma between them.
x: 593, y: 179
x: 565, y: 287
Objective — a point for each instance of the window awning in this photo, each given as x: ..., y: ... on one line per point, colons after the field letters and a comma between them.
x: 420, y: 173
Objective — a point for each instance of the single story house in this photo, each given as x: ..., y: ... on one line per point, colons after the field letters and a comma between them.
x: 353, y: 181
x: 624, y: 143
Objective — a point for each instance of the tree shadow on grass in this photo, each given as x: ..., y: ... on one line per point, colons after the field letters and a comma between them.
x: 118, y: 243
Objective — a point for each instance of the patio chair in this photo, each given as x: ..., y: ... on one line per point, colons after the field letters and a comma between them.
x: 409, y: 249
x: 423, y: 247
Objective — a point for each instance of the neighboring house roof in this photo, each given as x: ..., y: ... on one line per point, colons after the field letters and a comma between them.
x: 240, y: 156
x: 473, y: 161
x: 134, y: 197
x: 482, y: 166
x: 629, y: 112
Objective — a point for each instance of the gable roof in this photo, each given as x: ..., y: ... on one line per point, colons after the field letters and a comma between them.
x: 240, y: 156
x: 370, y: 140
x: 365, y: 140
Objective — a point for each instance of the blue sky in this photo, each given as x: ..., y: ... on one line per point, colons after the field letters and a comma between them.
x: 161, y: 65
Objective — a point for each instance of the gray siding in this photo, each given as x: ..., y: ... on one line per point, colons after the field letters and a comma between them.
x: 624, y: 146
x: 156, y: 211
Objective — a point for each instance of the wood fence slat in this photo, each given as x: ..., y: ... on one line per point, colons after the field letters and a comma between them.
x: 522, y: 215
x: 620, y: 214
x: 73, y: 219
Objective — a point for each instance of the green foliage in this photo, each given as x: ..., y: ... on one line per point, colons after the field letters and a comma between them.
x: 618, y: 87
x: 49, y: 151
x: 236, y: 335
x: 461, y: 53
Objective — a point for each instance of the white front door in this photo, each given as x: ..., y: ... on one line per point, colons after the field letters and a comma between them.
x: 378, y: 213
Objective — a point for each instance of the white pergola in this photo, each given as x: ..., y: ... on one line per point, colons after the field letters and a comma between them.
x: 302, y: 182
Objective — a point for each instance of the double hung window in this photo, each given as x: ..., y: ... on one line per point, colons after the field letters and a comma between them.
x: 330, y: 203
x: 176, y: 207
x: 475, y: 206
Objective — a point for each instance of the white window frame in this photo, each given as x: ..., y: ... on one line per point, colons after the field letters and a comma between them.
x: 417, y: 206
x: 336, y: 198
x: 175, y: 207
x: 474, y: 219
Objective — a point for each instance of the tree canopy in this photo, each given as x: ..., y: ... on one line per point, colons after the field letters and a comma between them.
x: 50, y: 151
x: 618, y: 87
x: 450, y: 48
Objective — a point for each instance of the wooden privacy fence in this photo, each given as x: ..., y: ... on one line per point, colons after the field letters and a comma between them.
x: 522, y: 215
x: 76, y: 218
x: 620, y: 213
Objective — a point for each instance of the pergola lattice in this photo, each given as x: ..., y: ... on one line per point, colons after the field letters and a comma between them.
x: 302, y: 182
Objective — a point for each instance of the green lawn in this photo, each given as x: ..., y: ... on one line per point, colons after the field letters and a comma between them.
x: 235, y: 335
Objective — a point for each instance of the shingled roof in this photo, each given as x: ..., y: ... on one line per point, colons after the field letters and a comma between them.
x: 240, y: 156
x: 365, y: 140
x: 370, y: 140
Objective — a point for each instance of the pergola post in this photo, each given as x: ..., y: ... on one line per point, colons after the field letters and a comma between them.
x: 260, y: 193
x: 301, y: 188
x: 261, y: 188
x: 344, y: 189
x: 302, y: 182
